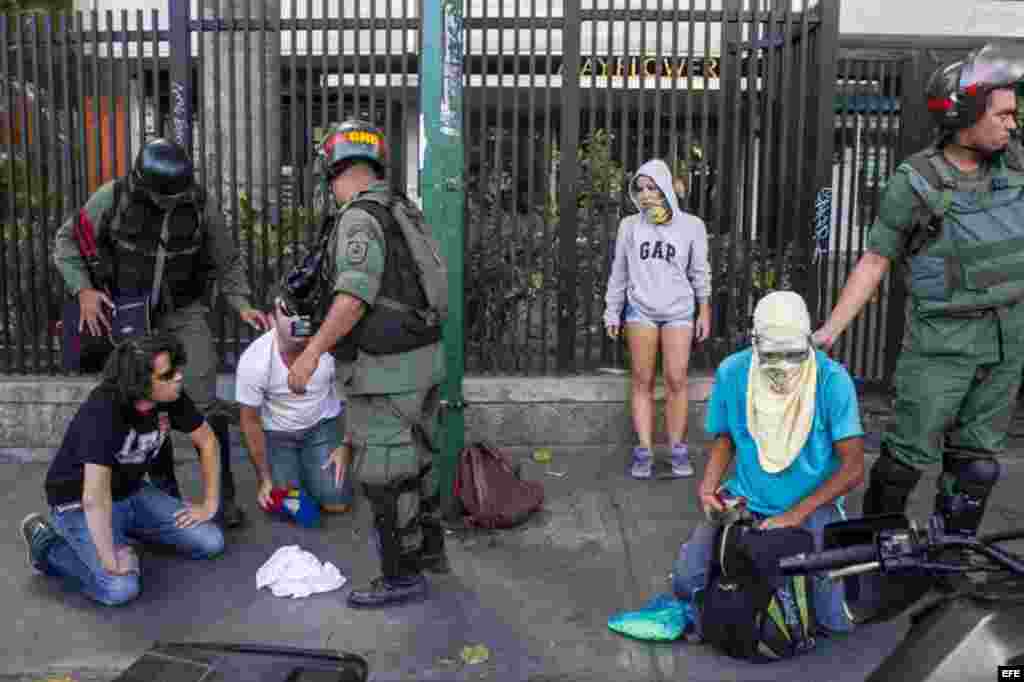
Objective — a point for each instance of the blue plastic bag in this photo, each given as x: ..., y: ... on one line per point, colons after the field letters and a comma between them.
x: 663, y: 619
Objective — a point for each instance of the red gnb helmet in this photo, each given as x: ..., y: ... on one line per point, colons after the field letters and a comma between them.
x: 958, y: 93
x: 351, y: 140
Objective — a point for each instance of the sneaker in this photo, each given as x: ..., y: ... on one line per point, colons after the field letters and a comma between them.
x: 643, y: 463
x: 681, y: 467
x: 37, y: 533
x: 384, y: 592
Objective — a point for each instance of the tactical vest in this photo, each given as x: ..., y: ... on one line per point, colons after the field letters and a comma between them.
x: 966, y: 250
x: 402, y: 318
x: 131, y: 233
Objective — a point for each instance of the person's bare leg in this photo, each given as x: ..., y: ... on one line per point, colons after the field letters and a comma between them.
x: 643, y: 352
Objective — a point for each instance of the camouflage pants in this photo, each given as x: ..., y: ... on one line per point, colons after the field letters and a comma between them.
x: 392, y: 440
x: 191, y: 327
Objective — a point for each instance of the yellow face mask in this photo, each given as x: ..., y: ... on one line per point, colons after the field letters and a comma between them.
x: 655, y: 207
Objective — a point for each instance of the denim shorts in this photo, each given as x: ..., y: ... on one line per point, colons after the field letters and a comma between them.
x: 634, y: 316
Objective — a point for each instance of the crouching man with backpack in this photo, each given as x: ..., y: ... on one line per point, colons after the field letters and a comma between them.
x: 384, y: 299
x: 788, y: 416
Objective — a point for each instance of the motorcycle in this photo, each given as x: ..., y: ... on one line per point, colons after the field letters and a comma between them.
x: 888, y: 564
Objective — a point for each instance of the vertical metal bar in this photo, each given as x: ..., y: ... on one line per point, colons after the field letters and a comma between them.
x: 233, y: 167
x: 113, y: 97
x: 69, y: 189
x: 847, y: 341
x: 721, y: 173
x: 339, y: 92
x: 268, y: 218
x: 767, y: 186
x: 748, y: 225
x: 803, y: 100
x: 373, y: 61
x: 200, y: 90
x: 685, y: 58
x: 473, y: 150
x: 96, y: 95
x: 609, y: 352
x: 357, y: 59
x: 892, y: 120
x: 487, y: 211
x: 840, y: 196
x: 784, y: 198
x: 30, y: 327
x: 499, y: 168
x: 656, y: 130
x: 637, y: 67
x: 567, y: 186
x: 589, y: 287
x: 325, y: 67
x: 827, y: 39
x: 873, y: 318
x: 307, y: 190
x: 531, y: 155
x: 81, y: 161
x: 217, y: 47
x: 54, y: 171
x: 140, y: 74
x: 158, y: 108
x: 180, y: 45
x: 848, y: 194
x: 395, y: 175
x: 253, y: 220
x: 518, y: 343
x: 8, y: 221
x: 705, y: 207
x: 731, y: 179
x: 548, y: 199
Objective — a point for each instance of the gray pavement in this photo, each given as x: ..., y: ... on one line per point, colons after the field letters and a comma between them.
x: 538, y: 596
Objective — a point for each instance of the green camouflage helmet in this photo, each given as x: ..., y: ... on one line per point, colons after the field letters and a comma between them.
x: 351, y: 140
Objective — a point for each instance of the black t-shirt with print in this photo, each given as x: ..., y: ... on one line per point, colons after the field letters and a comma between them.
x: 108, y: 433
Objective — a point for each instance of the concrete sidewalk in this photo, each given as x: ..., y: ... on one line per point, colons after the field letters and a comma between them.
x: 538, y: 597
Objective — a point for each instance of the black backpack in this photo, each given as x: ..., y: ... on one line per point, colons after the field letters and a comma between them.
x: 749, y: 610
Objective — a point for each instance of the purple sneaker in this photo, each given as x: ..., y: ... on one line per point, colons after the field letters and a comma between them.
x: 681, y: 467
x: 643, y: 463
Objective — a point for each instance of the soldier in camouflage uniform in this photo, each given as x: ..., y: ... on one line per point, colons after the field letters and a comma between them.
x: 394, y: 397
x: 159, y: 201
x: 953, y: 215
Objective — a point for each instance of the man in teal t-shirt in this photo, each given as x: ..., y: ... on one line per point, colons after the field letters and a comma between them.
x: 788, y: 416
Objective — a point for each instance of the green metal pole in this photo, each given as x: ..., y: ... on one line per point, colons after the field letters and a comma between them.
x: 443, y: 191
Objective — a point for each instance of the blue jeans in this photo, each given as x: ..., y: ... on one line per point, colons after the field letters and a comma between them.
x: 297, y: 459
x: 147, y: 516
x: 690, y: 572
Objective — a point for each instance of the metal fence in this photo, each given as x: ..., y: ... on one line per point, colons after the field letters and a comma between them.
x: 563, y: 101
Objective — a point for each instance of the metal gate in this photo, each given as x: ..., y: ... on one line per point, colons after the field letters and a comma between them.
x: 563, y: 100
x: 880, y: 119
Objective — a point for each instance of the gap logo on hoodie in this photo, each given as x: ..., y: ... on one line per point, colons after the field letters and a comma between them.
x: 657, y: 249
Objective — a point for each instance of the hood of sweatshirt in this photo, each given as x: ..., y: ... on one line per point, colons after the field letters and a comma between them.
x: 657, y: 170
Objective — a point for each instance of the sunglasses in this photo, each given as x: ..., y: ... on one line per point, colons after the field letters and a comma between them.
x: 772, y: 357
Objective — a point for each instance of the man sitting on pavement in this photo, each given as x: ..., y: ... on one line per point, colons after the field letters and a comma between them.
x: 789, y: 417
x: 290, y: 436
x: 95, y: 486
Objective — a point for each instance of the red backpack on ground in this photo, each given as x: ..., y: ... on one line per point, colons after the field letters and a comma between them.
x: 490, y: 490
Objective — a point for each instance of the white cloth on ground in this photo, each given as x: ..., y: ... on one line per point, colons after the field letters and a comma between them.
x: 294, y: 572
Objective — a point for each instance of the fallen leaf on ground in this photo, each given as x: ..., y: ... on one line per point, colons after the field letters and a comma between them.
x: 542, y: 455
x: 472, y: 655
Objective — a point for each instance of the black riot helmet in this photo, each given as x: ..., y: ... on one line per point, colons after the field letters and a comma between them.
x: 958, y: 92
x: 164, y: 172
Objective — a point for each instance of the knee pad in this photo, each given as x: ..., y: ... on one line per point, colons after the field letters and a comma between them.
x: 964, y: 489
x: 395, y: 560
x: 889, y: 486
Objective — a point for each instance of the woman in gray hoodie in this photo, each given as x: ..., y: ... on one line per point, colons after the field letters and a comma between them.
x: 661, y: 280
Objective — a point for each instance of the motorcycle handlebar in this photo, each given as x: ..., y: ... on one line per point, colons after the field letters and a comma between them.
x: 828, y: 560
